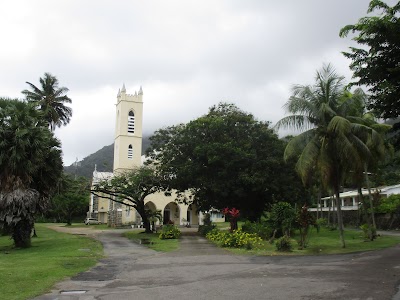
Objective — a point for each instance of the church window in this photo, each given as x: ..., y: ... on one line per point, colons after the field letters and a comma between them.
x: 131, y: 122
x: 130, y: 152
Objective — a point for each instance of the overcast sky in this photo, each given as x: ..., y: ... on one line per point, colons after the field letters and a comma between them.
x: 187, y: 56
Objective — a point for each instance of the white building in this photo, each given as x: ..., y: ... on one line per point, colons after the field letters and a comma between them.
x: 350, y: 201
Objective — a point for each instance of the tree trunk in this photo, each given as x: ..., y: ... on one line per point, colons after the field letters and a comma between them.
x: 234, y: 225
x: 22, y: 234
x: 367, y: 219
x: 69, y: 219
x: 371, y: 204
x: 319, y: 207
x: 340, y: 217
x: 34, y: 232
x: 329, y: 211
x: 142, y: 212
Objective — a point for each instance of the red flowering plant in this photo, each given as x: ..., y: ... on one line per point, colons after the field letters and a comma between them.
x: 233, y: 215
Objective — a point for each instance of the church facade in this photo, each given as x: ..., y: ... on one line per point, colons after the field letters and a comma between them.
x: 128, y: 155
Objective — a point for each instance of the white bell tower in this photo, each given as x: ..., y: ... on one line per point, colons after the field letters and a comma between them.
x: 128, y: 130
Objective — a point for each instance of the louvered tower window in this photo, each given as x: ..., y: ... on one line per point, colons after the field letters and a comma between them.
x: 131, y: 122
x: 130, y: 152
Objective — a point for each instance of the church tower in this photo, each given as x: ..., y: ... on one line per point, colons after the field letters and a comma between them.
x: 128, y: 130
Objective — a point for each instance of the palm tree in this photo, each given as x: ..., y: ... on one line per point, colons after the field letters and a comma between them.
x: 51, y: 100
x: 329, y: 144
x: 30, y: 161
x: 373, y: 138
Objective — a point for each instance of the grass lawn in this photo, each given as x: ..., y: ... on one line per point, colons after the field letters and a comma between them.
x: 82, y: 225
x: 326, y: 242
x: 156, y: 243
x: 227, y: 225
x: 25, y: 273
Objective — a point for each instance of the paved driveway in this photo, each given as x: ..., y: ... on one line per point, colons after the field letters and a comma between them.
x: 200, y: 270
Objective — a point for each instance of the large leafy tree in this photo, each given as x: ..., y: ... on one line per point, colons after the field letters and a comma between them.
x: 130, y: 188
x: 225, y: 158
x: 376, y: 64
x: 51, y: 100
x: 330, y: 144
x: 71, y: 198
x: 30, y: 163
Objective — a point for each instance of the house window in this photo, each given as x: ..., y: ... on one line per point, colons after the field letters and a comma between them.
x: 128, y: 211
x: 131, y: 122
x: 130, y: 152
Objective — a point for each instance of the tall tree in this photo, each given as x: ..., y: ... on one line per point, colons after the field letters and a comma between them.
x: 356, y: 110
x: 131, y: 188
x: 225, y: 158
x: 51, y: 100
x: 30, y: 163
x: 377, y: 63
x: 71, y: 199
x: 329, y: 144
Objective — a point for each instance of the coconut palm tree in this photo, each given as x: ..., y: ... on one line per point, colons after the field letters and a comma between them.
x: 374, y: 139
x: 30, y: 163
x: 329, y: 143
x: 51, y: 100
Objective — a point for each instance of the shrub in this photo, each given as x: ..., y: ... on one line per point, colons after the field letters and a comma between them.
x: 236, y: 239
x: 207, y: 219
x: 321, y: 222
x: 261, y: 229
x: 169, y: 232
x: 284, y: 244
x: 369, y: 232
x: 204, y: 229
x: 281, y: 217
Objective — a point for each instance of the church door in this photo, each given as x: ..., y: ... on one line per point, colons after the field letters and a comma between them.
x: 167, y: 216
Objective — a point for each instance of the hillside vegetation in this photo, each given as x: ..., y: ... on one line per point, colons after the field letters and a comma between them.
x: 103, y: 158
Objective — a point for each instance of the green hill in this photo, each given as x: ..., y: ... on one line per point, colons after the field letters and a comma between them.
x: 103, y: 158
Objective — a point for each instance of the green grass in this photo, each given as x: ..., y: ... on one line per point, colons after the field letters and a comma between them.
x: 82, y: 225
x: 226, y: 225
x: 326, y: 242
x: 25, y: 273
x: 156, y: 243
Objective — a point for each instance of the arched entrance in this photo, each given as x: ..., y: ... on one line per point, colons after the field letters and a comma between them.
x: 192, y: 216
x: 171, y: 214
x: 151, y: 206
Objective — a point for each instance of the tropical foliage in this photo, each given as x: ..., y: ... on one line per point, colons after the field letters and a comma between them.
x: 235, y: 239
x: 71, y: 199
x: 284, y: 244
x: 232, y: 214
x: 376, y: 63
x: 226, y: 158
x: 332, y: 143
x: 281, y: 218
x: 30, y: 163
x: 50, y: 99
x: 169, y: 232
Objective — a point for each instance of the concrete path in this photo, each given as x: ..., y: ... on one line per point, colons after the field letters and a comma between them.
x: 199, y: 270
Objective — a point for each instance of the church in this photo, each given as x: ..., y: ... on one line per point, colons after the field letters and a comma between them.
x: 127, y: 156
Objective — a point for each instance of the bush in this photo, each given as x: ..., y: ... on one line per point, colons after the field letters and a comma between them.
x: 207, y: 219
x: 261, y: 229
x: 284, y: 244
x: 369, y: 232
x: 281, y: 218
x: 321, y: 222
x: 204, y: 229
x: 169, y: 232
x: 236, y: 239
